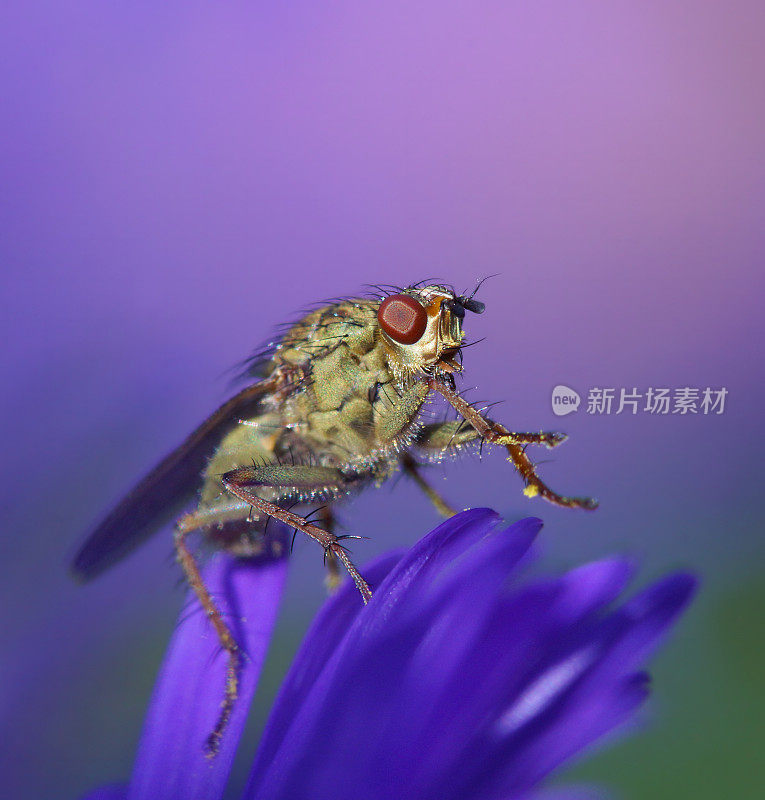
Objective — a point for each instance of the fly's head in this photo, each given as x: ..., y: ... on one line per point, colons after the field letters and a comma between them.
x: 421, y: 329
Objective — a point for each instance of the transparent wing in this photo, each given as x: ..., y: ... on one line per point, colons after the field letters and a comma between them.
x: 165, y: 490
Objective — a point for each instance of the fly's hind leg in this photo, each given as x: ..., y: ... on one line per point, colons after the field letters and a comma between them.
x: 184, y: 526
x: 308, y: 480
x: 515, y: 444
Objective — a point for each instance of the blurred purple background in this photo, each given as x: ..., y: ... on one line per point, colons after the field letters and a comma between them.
x: 177, y: 179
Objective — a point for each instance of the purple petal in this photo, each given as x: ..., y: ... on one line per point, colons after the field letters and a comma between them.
x: 510, y: 651
x: 454, y: 682
x: 329, y: 627
x: 466, y: 543
x: 602, y: 693
x: 647, y: 617
x: 522, y: 655
x: 439, y: 559
x: 426, y: 559
x: 171, y: 762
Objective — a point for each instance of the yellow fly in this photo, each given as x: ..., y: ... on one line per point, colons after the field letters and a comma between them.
x: 336, y: 408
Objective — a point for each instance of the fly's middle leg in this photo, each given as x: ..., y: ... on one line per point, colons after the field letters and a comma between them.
x: 412, y: 469
x: 333, y: 578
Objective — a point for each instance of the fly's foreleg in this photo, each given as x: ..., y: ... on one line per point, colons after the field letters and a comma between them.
x: 191, y: 569
x: 443, y: 436
x: 515, y: 444
x: 240, y: 483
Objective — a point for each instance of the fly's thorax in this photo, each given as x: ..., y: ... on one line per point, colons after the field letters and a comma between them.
x: 353, y: 393
x: 365, y: 424
x: 331, y: 413
x: 349, y: 324
x: 415, y: 333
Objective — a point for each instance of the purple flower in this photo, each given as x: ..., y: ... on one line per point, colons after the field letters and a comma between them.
x: 458, y: 680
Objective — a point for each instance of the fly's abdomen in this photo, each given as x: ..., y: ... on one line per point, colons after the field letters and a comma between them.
x: 251, y: 442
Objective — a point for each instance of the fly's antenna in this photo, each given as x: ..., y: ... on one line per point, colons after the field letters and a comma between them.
x: 480, y: 283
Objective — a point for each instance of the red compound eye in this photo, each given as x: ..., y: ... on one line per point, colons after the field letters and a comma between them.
x: 402, y: 318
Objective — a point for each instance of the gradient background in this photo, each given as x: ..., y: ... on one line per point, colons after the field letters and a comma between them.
x: 177, y: 178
